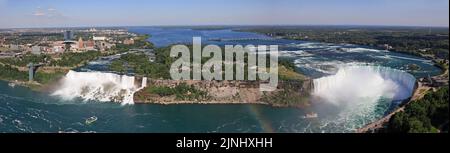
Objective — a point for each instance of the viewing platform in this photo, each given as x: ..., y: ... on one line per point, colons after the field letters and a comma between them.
x: 32, y: 70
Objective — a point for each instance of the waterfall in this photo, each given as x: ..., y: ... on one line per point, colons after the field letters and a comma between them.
x: 353, y: 84
x: 98, y: 86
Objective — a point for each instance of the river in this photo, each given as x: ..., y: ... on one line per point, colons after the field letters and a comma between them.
x: 24, y: 110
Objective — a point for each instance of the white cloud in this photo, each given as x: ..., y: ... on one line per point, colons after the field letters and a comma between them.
x: 48, y: 13
x: 39, y: 13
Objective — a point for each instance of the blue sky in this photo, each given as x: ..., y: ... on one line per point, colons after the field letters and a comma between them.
x: 63, y: 13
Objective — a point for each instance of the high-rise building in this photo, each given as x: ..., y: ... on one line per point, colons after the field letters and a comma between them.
x: 80, y: 43
x: 68, y: 40
x: 68, y: 35
x: 90, y: 45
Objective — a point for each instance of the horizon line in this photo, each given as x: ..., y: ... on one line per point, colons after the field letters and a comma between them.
x: 225, y: 25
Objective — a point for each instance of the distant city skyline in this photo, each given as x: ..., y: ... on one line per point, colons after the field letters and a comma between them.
x: 95, y: 13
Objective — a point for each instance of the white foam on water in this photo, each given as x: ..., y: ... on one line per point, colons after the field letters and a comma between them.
x: 358, y: 91
x: 361, y: 50
x: 99, y: 86
x: 297, y: 53
x: 413, y: 59
x: 352, y: 83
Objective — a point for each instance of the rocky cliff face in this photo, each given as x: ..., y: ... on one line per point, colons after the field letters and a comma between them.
x: 230, y: 92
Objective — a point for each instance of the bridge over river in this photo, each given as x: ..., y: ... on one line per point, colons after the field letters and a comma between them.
x: 240, y: 39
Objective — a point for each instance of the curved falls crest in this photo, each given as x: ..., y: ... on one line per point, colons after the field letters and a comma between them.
x: 364, y: 83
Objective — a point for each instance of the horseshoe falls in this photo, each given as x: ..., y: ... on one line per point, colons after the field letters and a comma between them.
x: 360, y: 92
x: 346, y: 97
x: 353, y: 83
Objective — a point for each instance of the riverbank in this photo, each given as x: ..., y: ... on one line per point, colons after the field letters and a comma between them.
x: 425, y: 42
x: 44, y: 76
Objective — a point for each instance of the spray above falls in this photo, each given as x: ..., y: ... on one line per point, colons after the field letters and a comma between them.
x: 353, y: 84
x: 99, y: 86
